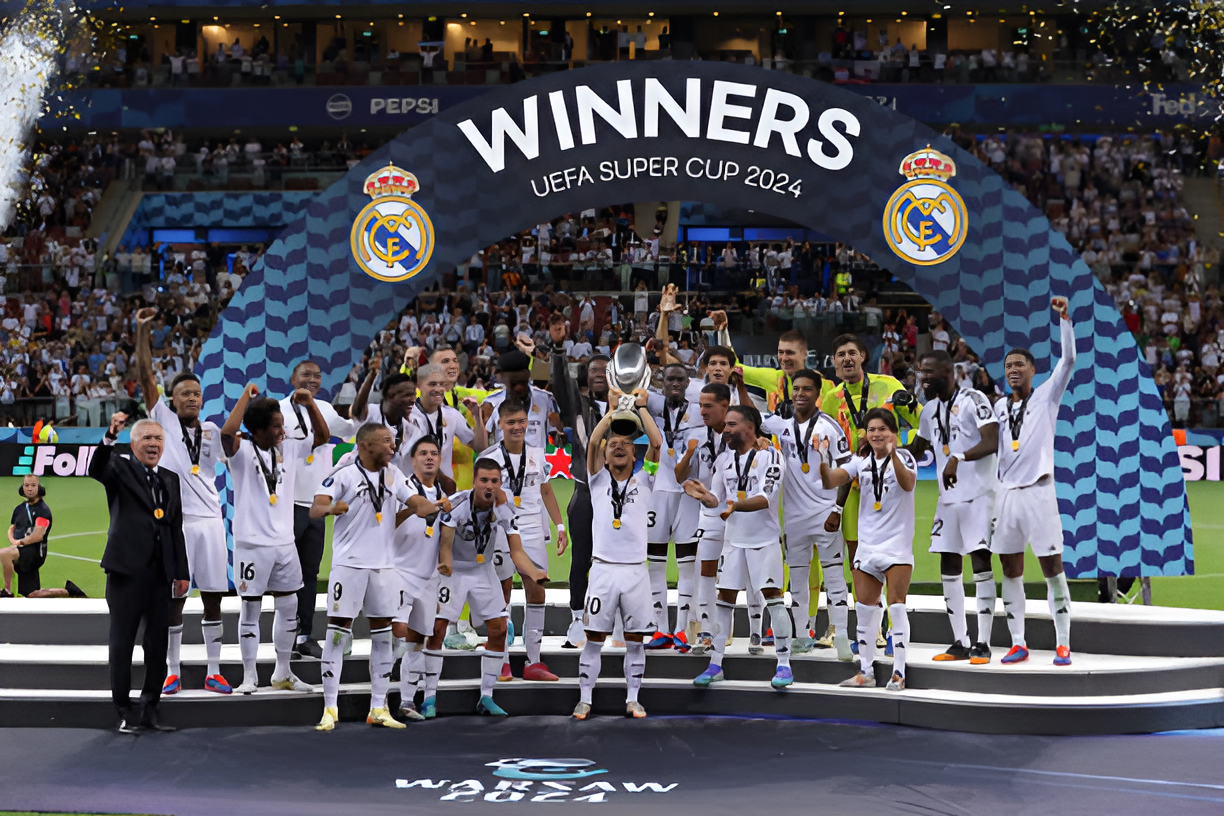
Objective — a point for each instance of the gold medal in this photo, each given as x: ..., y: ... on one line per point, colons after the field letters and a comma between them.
x: 741, y: 495
x: 429, y: 532
x: 1015, y: 444
x: 946, y: 451
x: 671, y: 451
x: 479, y: 558
x: 805, y: 467
x: 378, y: 515
x: 195, y: 470
x: 310, y: 459
x: 878, y: 505
x: 272, y: 500
x: 616, y: 524
x: 158, y: 512
x: 518, y: 501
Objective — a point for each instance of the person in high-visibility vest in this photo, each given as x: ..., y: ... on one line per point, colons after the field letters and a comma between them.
x: 848, y: 403
x: 841, y: 282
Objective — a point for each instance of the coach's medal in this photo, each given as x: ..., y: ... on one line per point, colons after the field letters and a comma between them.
x: 741, y: 494
x: 272, y: 500
x: 158, y: 513
x: 195, y: 470
x: 877, y: 506
x: 946, y: 450
x: 310, y: 459
x: 805, y: 467
x: 616, y: 524
x: 1015, y: 444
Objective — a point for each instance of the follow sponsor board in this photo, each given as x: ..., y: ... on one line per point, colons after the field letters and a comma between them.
x: 1111, y: 107
x: 60, y: 459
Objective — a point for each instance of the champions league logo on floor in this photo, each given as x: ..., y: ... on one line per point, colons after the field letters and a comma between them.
x: 925, y: 221
x: 392, y: 236
x: 537, y: 780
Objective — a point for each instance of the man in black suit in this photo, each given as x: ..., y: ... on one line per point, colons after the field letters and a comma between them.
x: 145, y: 558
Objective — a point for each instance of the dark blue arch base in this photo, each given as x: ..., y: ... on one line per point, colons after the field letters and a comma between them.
x: 1120, y: 484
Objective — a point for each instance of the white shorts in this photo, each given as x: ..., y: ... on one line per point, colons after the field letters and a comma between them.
x: 1027, y: 515
x: 478, y: 587
x: 536, y: 549
x: 259, y: 569
x: 418, y: 602
x: 751, y: 568
x: 963, y: 527
x: 688, y: 521
x: 709, y: 535
x: 207, y: 555
x: 353, y: 589
x: 826, y: 545
x: 875, y: 561
x: 623, y: 587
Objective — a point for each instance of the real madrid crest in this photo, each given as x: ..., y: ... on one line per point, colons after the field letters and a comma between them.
x: 392, y: 237
x: 925, y: 221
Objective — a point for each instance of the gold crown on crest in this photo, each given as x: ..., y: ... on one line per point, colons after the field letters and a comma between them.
x: 927, y: 163
x: 391, y: 181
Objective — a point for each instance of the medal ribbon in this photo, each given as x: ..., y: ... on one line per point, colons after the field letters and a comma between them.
x: 429, y: 520
x: 268, y: 474
x: 482, y: 532
x: 877, y: 477
x: 382, y: 488
x: 669, y: 433
x: 741, y: 479
x: 859, y: 412
x: 1015, y: 419
x: 618, y: 498
x: 516, y: 480
x: 802, y: 449
x: 193, y: 445
x: 944, y: 421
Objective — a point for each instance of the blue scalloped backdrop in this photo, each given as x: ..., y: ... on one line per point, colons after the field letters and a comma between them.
x: 1120, y: 486
x: 219, y: 209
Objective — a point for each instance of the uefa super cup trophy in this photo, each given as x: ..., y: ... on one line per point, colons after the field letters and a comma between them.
x: 628, y: 371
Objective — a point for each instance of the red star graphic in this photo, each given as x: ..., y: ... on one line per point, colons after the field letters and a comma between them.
x: 559, y: 461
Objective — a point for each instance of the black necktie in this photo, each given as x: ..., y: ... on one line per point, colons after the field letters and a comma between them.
x: 154, y: 486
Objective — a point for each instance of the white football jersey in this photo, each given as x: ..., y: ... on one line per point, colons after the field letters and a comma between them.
x: 476, y: 531
x: 805, y: 502
x: 257, y: 521
x: 199, y: 490
x: 693, y: 392
x: 533, y: 469
x: 893, y: 524
x: 623, y: 542
x: 363, y: 535
x: 1034, y: 422
x: 710, y: 445
x: 542, y: 404
x: 957, y: 423
x: 755, y: 473
x: 673, y: 424
x: 415, y: 546
x: 314, y: 465
x: 446, y: 423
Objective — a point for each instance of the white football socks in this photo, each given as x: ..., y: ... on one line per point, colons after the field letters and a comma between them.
x: 779, y: 619
x: 1013, y: 606
x: 381, y: 661
x: 984, y: 590
x: 635, y: 668
x: 533, y: 631
x: 589, y: 664
x: 756, y: 613
x: 490, y: 667
x: 707, y: 592
x: 656, y: 567
x: 869, y: 617
x: 726, y: 619
x: 173, y: 647
x: 954, y: 599
x: 685, y: 580
x: 333, y: 662
x: 211, y: 630
x: 284, y: 629
x: 1059, y: 596
x: 837, y: 594
x: 248, y: 639
x: 433, y: 670
x: 900, y: 636
x: 801, y: 594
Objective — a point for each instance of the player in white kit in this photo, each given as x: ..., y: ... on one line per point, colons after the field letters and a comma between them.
x: 398, y: 397
x: 362, y: 495
x: 434, y: 418
x: 1026, y: 509
x: 747, y: 484
x: 806, y: 505
x: 415, y: 554
x: 673, y: 514
x: 525, y: 473
x: 262, y: 464
x: 960, y: 426
x: 885, y: 552
x: 514, y: 372
x: 193, y: 451
x: 702, y: 446
x: 619, y: 584
x: 469, y: 534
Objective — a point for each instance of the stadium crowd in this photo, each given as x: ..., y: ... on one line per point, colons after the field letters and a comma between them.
x: 67, y: 316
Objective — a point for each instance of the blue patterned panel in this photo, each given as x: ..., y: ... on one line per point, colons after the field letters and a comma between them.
x: 217, y: 209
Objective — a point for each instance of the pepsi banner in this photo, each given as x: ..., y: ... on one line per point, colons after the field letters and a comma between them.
x: 1107, y: 107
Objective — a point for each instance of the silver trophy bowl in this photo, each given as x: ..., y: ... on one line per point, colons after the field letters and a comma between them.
x: 627, y: 371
